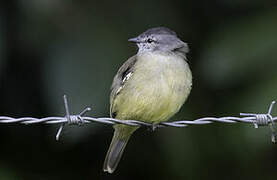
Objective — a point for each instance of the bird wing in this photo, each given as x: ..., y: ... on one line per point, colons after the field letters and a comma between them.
x: 122, y: 76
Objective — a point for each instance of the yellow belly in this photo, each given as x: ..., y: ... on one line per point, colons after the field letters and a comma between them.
x: 157, y: 89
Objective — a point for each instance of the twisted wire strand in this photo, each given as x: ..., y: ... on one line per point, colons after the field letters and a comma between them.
x: 255, y: 119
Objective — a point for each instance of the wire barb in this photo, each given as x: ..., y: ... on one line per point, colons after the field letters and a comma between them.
x: 252, y: 118
x: 71, y: 119
x: 264, y: 120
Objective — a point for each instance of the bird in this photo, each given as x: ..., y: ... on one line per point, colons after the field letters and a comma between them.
x: 150, y: 86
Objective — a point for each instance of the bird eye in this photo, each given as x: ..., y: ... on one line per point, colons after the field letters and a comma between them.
x: 150, y: 40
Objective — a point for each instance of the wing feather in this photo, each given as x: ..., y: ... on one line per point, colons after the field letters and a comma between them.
x: 124, y: 73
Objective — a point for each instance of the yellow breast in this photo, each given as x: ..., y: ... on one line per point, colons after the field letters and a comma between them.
x: 159, y: 86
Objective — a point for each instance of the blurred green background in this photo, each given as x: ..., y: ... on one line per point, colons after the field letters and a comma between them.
x: 53, y: 47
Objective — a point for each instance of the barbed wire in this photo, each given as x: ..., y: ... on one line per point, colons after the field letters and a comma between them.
x: 253, y: 118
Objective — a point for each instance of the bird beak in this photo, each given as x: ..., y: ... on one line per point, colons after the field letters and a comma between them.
x: 135, y: 40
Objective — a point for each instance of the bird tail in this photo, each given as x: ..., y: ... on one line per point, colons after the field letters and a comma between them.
x: 119, y: 141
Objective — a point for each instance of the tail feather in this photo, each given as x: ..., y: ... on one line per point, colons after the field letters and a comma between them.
x: 114, y: 153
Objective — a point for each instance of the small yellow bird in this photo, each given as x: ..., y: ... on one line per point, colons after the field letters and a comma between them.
x: 151, y: 86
